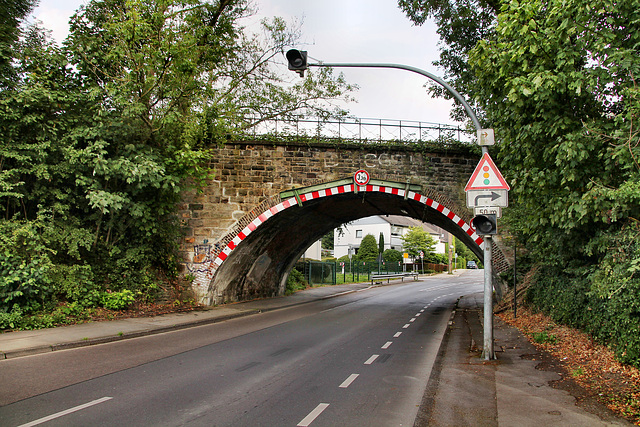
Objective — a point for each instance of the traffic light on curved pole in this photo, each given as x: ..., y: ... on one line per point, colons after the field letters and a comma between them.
x: 297, y: 60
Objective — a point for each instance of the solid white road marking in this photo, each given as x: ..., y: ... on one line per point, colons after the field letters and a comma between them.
x: 371, y: 359
x: 313, y: 415
x: 387, y: 345
x: 346, y: 383
x: 66, y: 412
x: 397, y: 334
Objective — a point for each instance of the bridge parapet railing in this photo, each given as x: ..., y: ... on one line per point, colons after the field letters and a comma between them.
x: 358, y: 130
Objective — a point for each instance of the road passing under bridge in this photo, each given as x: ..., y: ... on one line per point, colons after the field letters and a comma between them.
x: 359, y: 359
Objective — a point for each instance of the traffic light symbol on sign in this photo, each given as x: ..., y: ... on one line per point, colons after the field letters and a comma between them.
x: 297, y: 60
x: 485, y: 224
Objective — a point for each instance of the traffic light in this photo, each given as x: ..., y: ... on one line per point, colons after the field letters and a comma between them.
x: 485, y: 224
x: 297, y: 60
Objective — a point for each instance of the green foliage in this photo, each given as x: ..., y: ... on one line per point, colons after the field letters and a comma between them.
x: 295, y: 282
x: 368, y: 250
x: 417, y: 240
x: 100, y: 137
x: 327, y: 240
x: 544, y: 338
x: 117, y: 300
x: 392, y: 256
x: 569, y: 298
x: 437, y: 258
x: 557, y: 80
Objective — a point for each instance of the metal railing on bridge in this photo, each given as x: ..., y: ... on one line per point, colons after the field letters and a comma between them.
x: 359, y: 130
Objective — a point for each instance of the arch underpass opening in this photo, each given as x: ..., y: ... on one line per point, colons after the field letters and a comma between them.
x: 257, y: 260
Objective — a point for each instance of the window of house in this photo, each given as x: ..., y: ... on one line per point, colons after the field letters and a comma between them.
x: 359, y: 234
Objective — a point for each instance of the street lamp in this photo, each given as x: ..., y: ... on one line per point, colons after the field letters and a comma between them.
x: 297, y: 60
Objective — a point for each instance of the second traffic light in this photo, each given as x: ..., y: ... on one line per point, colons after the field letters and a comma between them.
x: 297, y: 60
x: 485, y: 224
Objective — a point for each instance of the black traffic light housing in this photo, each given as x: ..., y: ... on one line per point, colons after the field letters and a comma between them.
x: 485, y: 224
x: 297, y: 60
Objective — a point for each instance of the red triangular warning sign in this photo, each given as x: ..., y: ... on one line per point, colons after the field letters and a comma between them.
x: 486, y: 176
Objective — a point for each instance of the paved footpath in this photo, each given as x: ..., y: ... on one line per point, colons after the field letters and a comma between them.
x: 463, y: 390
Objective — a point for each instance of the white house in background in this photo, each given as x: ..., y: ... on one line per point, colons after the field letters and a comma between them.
x: 393, y: 227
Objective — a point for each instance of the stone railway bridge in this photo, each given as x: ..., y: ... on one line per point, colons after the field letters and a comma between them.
x: 269, y: 201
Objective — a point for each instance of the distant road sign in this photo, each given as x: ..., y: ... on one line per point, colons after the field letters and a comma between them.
x: 488, y: 210
x: 361, y: 177
x: 486, y: 176
x: 487, y: 198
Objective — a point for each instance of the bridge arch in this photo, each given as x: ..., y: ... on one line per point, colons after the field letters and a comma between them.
x: 255, y: 259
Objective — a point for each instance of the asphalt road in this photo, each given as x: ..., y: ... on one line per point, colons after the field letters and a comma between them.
x: 361, y: 359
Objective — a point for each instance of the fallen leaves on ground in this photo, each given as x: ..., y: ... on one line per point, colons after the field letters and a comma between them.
x: 591, y: 365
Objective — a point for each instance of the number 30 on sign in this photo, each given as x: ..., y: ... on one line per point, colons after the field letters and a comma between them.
x: 361, y: 177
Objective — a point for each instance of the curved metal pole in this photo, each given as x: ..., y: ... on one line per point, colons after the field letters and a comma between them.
x: 427, y: 74
x: 488, y: 352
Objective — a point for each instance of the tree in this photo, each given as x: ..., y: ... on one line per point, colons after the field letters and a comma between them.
x: 381, y: 244
x: 101, y: 137
x: 558, y: 79
x: 368, y: 250
x: 392, y: 256
x: 12, y: 12
x: 559, y: 82
x: 417, y: 240
x: 327, y: 240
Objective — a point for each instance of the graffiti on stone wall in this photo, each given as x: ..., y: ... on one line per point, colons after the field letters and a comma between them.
x: 201, y: 253
x: 372, y: 160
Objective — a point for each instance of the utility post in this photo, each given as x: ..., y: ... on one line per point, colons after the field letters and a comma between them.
x: 298, y: 62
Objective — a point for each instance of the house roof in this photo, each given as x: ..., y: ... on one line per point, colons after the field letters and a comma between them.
x: 405, y: 221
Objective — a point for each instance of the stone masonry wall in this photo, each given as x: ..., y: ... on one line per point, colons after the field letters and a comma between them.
x: 250, y: 175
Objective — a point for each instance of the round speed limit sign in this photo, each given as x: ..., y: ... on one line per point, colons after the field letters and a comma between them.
x: 361, y: 177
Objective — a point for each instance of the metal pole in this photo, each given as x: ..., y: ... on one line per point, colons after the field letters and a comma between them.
x: 487, y: 352
x: 515, y: 280
x: 455, y: 93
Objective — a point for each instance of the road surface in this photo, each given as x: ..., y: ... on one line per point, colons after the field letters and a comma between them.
x: 361, y: 359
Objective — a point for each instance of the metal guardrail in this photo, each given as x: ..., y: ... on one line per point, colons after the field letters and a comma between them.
x: 359, y: 129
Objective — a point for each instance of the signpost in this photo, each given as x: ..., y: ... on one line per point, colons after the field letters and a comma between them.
x: 487, y: 193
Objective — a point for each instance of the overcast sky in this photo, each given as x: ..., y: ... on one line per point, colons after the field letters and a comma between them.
x: 344, y: 31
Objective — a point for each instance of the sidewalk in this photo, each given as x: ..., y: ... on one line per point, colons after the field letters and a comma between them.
x: 465, y: 390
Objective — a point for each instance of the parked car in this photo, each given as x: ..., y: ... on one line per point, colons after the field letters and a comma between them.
x: 471, y: 265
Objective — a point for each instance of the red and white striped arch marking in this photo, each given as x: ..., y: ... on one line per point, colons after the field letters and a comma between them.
x: 341, y: 190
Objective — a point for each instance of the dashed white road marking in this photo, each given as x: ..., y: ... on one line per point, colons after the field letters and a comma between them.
x: 397, y: 334
x: 406, y: 325
x: 313, y: 415
x: 66, y: 412
x: 371, y: 359
x: 413, y: 319
x: 387, y: 345
x: 346, y: 383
